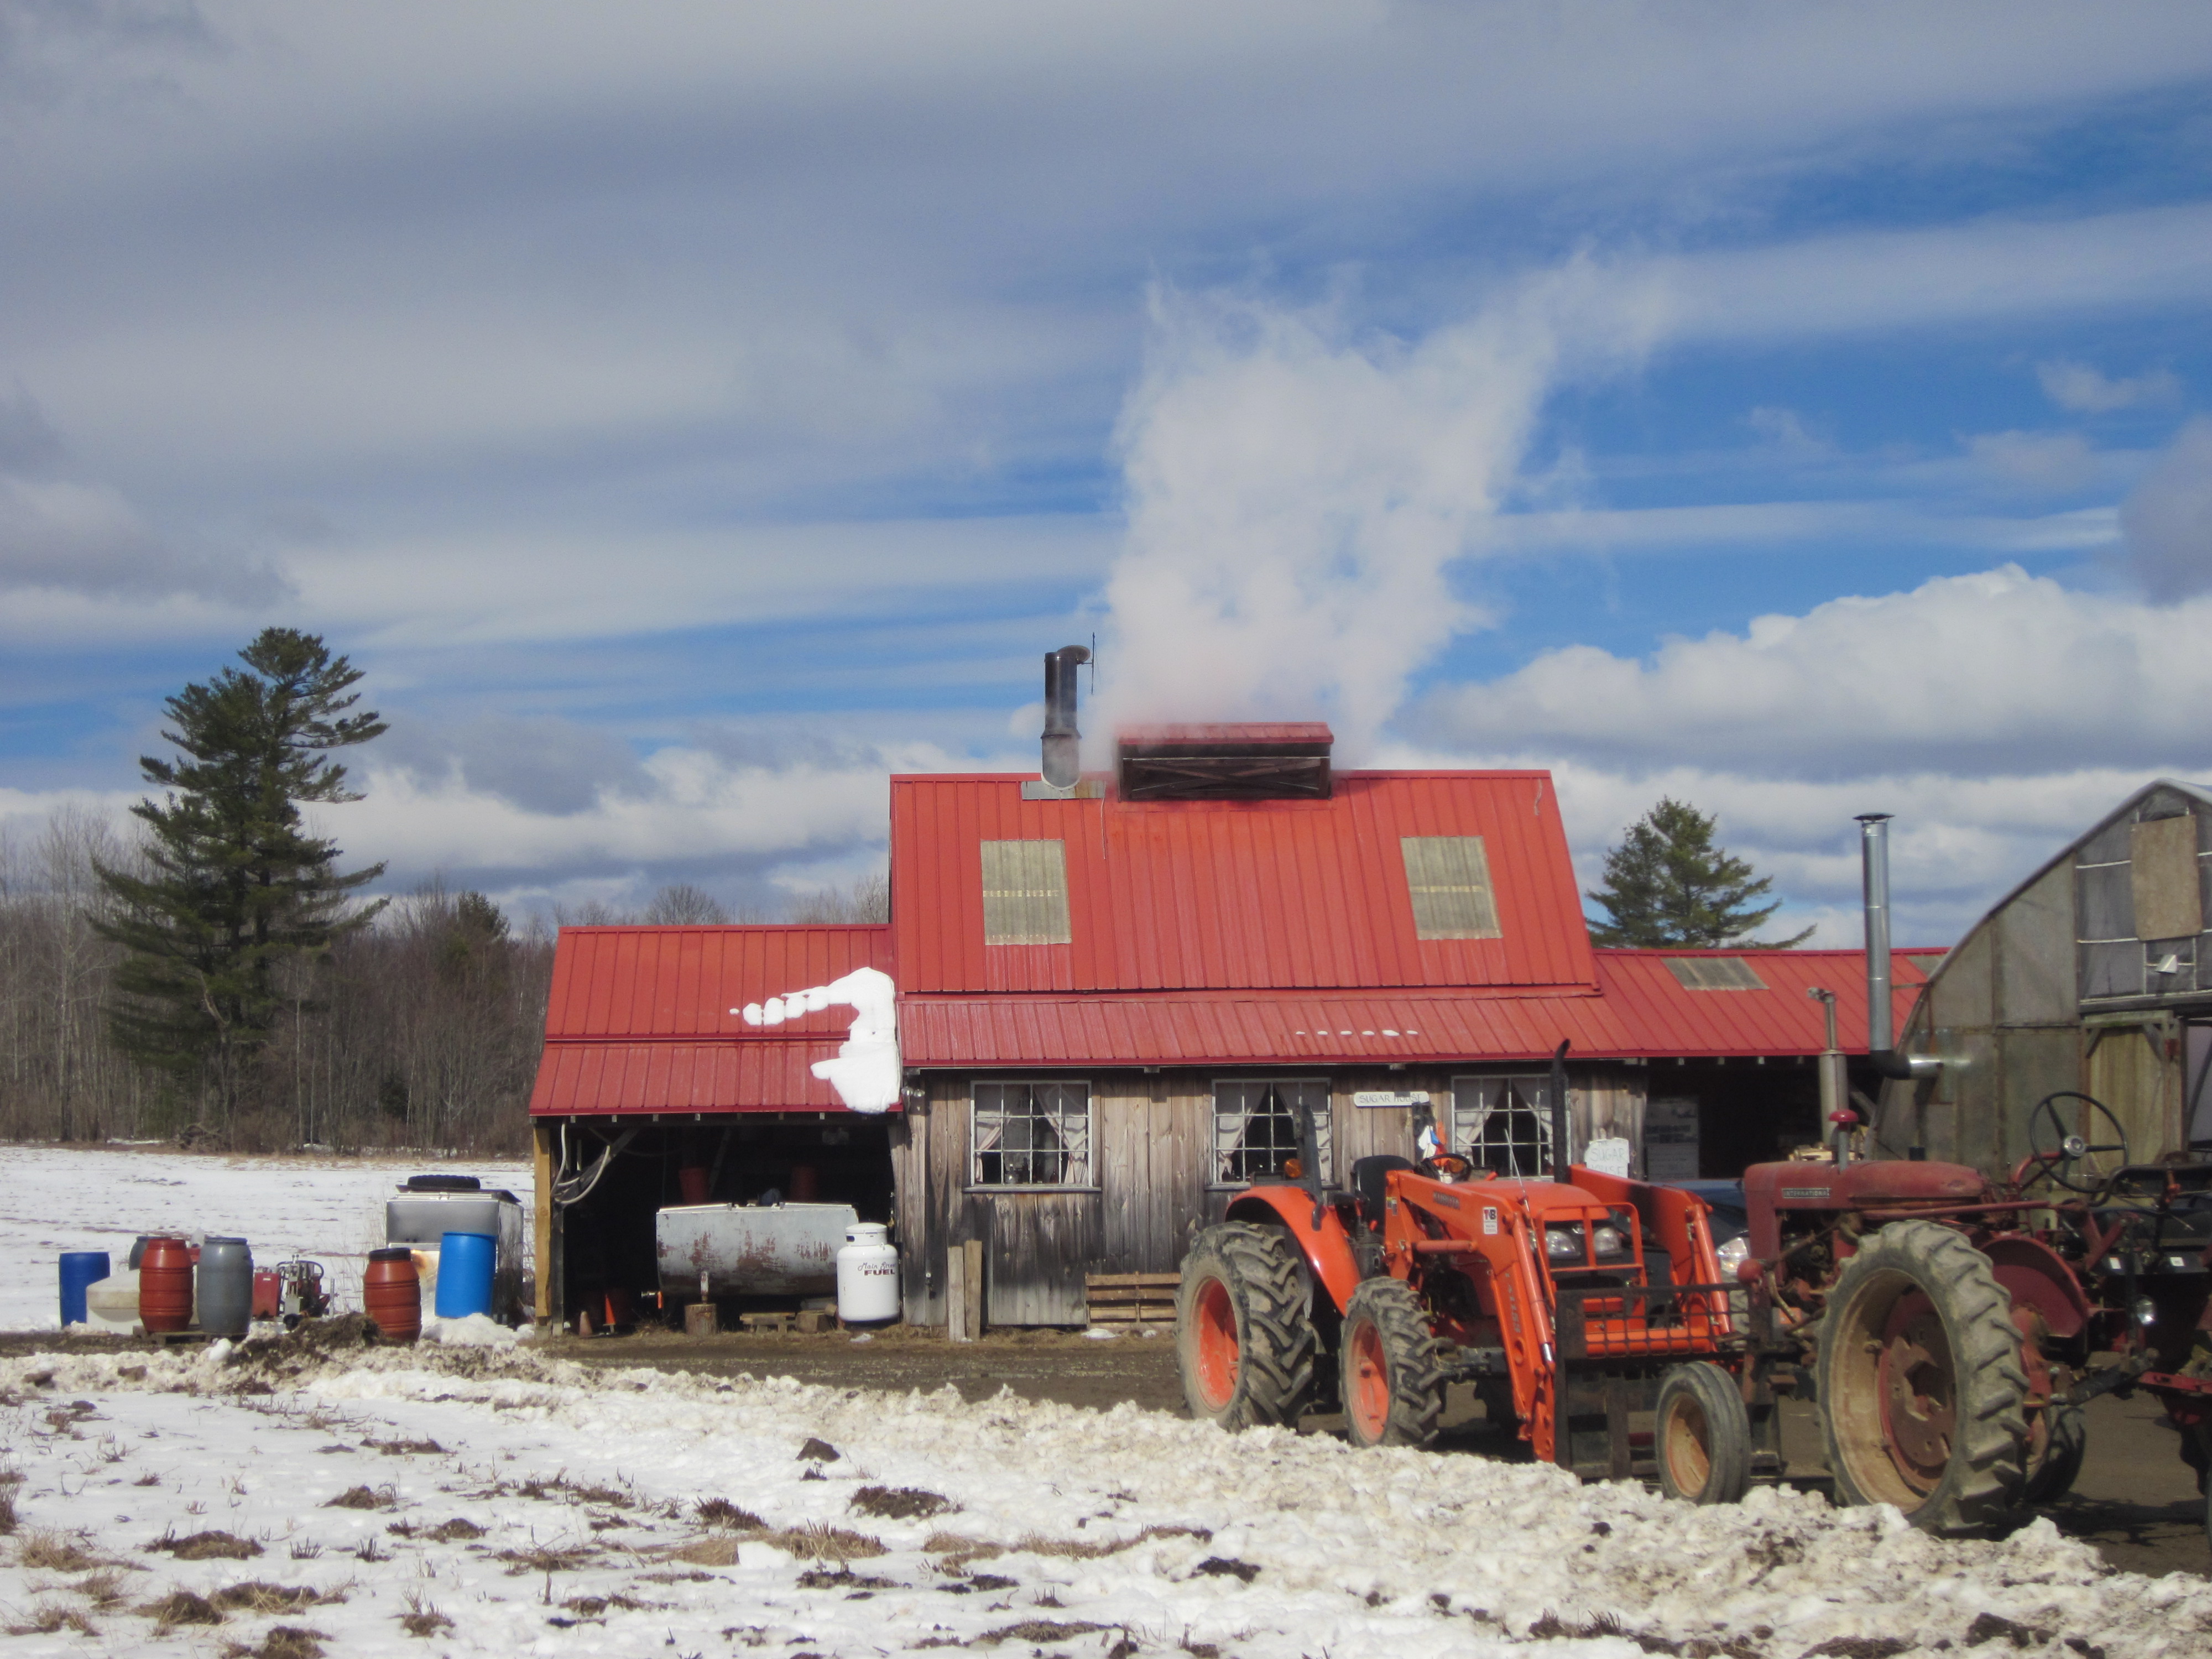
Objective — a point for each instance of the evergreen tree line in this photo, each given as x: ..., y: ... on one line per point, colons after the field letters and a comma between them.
x: 219, y: 978
x: 421, y: 1029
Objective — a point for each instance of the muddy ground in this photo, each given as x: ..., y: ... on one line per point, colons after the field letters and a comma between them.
x: 2135, y: 1502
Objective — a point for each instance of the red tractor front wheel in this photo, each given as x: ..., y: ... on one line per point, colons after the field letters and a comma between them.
x: 1394, y: 1391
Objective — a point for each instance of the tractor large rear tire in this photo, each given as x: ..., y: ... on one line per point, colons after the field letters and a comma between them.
x: 1701, y: 1436
x: 1392, y: 1387
x: 1243, y: 1332
x: 1920, y: 1389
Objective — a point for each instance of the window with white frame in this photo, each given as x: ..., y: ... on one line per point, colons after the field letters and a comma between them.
x: 1031, y: 1134
x: 1256, y: 1126
x: 1503, y: 1123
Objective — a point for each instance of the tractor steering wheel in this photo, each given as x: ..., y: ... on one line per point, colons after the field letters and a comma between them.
x: 2052, y: 1150
x: 1448, y: 1166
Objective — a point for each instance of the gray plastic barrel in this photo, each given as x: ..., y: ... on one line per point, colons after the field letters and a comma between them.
x: 226, y: 1286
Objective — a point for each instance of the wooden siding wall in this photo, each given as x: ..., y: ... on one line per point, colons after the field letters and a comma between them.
x: 1152, y: 1156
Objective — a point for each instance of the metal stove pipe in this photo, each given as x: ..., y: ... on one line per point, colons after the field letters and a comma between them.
x: 1063, y: 744
x: 1874, y: 848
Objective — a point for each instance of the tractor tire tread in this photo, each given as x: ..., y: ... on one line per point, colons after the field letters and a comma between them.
x: 1985, y: 1482
x: 1417, y: 1375
x: 1276, y: 1357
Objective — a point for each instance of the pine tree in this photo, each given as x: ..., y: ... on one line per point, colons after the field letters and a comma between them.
x: 1667, y: 884
x: 236, y: 888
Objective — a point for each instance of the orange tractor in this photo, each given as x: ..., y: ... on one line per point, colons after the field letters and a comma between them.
x: 1570, y: 1303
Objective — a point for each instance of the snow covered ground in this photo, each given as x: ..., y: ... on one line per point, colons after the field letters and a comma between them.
x: 280, y: 1502
x: 495, y: 1500
x: 330, y: 1209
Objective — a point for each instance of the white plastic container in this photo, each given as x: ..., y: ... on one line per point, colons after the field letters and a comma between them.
x: 867, y: 1275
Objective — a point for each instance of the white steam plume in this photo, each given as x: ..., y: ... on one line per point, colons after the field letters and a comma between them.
x: 1295, y: 502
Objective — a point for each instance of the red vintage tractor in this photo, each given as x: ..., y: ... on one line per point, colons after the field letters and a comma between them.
x: 1570, y: 1303
x: 1948, y: 1328
x: 1954, y: 1326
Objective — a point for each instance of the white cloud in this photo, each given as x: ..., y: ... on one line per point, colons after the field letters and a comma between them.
x: 2088, y: 390
x: 1991, y: 674
x: 1864, y: 281
x: 2167, y: 521
x: 2062, y: 461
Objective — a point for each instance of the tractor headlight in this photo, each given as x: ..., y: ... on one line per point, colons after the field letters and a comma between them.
x: 2146, y: 1312
x: 1563, y: 1243
x: 1734, y: 1254
x: 1610, y: 1241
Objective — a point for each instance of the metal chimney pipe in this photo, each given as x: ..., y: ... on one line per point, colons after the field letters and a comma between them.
x: 1063, y: 744
x: 1873, y: 848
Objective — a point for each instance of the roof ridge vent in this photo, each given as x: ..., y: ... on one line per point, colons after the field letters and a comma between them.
x: 1281, y: 760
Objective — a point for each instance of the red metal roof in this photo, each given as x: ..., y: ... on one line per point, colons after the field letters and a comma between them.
x: 1284, y: 895
x: 1660, y: 1017
x: 641, y: 1019
x: 1643, y: 1012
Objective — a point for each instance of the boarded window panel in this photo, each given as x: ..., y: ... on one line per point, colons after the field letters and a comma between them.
x: 2162, y: 864
x: 2106, y: 903
x: 1448, y: 876
x: 1714, y: 973
x: 1025, y: 892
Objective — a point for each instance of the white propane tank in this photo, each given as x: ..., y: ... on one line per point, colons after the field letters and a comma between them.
x: 867, y: 1275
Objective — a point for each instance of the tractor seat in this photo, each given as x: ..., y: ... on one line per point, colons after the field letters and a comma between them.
x: 1367, y: 1174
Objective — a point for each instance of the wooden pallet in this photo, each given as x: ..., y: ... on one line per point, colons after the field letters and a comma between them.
x: 1131, y: 1298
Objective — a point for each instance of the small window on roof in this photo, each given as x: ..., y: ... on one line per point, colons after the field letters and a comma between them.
x: 1714, y: 973
x: 1448, y: 876
x: 1025, y: 892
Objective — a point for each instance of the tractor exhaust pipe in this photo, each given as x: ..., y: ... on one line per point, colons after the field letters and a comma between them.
x: 1562, y: 1153
x: 1063, y: 744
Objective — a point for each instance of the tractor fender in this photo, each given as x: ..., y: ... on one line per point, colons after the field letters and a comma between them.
x: 1326, y: 1246
x: 2036, y: 1276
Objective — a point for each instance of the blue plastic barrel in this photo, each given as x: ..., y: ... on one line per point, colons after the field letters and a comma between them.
x: 79, y: 1269
x: 464, y: 1269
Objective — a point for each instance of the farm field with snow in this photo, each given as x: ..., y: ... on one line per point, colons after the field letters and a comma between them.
x: 308, y: 1495
x: 69, y: 1198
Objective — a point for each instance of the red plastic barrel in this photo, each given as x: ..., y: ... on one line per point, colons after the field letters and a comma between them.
x: 165, y: 1285
x: 691, y: 1180
x: 268, y: 1293
x: 393, y: 1294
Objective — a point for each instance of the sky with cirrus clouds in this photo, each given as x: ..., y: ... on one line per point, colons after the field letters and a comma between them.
x: 690, y: 414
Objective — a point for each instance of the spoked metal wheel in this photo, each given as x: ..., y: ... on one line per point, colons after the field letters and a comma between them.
x: 1242, y: 1332
x: 1702, y: 1435
x: 1920, y: 1389
x: 1394, y: 1391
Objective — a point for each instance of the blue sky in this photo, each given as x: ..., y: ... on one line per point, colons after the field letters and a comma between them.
x: 689, y: 415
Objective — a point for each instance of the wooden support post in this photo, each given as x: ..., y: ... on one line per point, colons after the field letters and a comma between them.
x: 545, y: 1246
x: 973, y: 1249
x: 955, y: 1294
